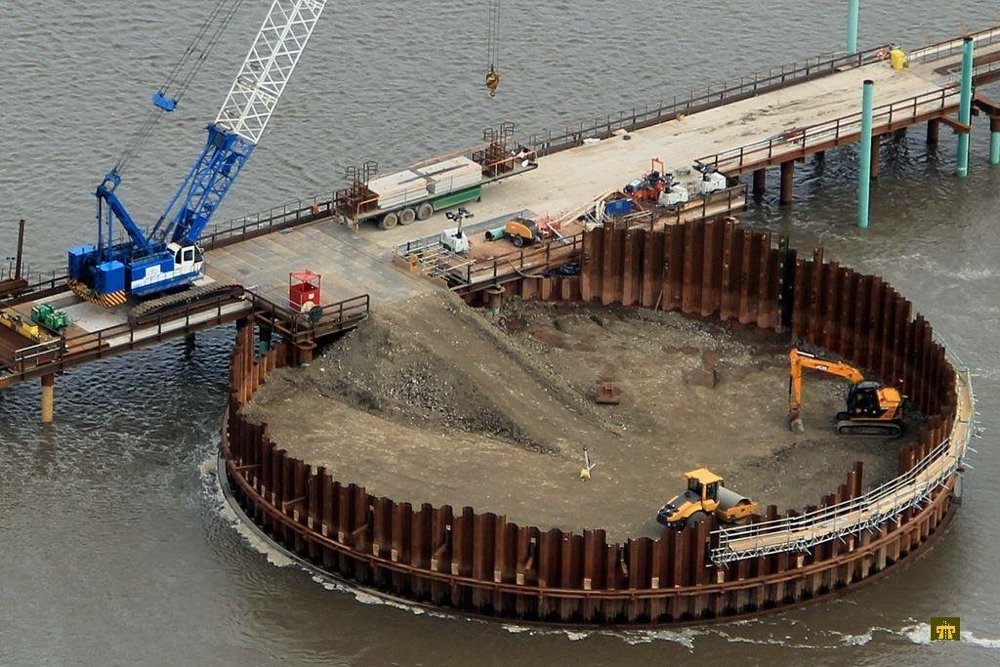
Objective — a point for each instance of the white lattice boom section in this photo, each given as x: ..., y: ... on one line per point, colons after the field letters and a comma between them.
x: 268, y: 66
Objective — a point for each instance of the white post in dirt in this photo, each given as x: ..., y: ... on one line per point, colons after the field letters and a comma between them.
x: 587, y: 465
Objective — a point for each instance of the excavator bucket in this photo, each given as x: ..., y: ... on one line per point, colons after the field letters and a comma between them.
x: 795, y: 423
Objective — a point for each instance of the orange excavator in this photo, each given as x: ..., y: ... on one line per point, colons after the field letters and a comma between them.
x: 872, y: 409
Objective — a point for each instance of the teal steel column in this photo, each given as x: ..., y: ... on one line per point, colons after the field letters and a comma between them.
x: 853, y: 10
x: 994, y: 144
x: 864, y: 173
x: 965, y: 108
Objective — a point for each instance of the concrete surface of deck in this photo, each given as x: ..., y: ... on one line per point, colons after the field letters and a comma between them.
x: 355, y: 261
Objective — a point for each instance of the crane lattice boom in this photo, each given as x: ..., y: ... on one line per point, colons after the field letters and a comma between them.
x: 268, y: 66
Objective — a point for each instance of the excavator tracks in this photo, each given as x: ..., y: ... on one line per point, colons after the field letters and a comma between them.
x: 164, y: 306
x: 870, y: 429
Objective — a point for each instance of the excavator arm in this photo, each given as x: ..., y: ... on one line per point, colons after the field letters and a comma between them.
x: 799, y: 360
x: 872, y: 409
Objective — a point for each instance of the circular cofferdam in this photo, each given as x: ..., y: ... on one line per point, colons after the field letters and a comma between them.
x: 517, y: 460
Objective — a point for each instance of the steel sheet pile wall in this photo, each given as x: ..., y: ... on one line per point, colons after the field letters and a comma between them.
x: 483, y: 564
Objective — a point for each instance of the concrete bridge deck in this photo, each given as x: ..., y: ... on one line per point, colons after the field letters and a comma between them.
x: 353, y: 261
x: 573, y: 170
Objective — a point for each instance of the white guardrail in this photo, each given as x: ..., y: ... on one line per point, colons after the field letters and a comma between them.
x: 881, y: 504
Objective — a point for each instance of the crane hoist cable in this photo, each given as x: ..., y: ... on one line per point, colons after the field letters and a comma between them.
x: 493, y: 48
x: 181, y: 75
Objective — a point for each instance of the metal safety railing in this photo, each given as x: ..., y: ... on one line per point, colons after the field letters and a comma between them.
x: 867, y: 512
x: 37, y: 359
x: 32, y: 282
x: 953, y: 46
x: 317, y: 322
x: 264, y: 222
x: 829, y: 133
x: 536, y: 259
x: 713, y: 95
x: 59, y: 352
x: 986, y: 72
x: 717, y: 204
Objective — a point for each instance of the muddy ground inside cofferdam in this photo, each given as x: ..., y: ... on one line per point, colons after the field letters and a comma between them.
x: 434, y: 401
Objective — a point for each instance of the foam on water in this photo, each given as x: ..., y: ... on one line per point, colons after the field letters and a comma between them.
x: 213, y: 491
x: 920, y: 633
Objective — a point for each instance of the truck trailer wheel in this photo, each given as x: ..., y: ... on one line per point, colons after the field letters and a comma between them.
x: 388, y: 221
x: 406, y: 216
x: 424, y: 211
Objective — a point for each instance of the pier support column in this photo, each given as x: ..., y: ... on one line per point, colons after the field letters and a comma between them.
x: 48, y: 398
x: 995, y: 140
x: 305, y: 351
x: 190, y: 342
x: 759, y: 183
x: 933, y: 132
x: 787, y: 181
x: 876, y: 162
x: 865, y: 167
x: 20, y: 249
x: 494, y: 298
x: 266, y: 334
x: 900, y: 134
x: 853, y: 13
x: 965, y: 108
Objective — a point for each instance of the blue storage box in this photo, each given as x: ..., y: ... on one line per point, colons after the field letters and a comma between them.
x: 109, y: 277
x: 618, y: 208
x: 77, y: 260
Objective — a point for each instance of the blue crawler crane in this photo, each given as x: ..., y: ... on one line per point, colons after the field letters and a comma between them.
x: 167, y: 256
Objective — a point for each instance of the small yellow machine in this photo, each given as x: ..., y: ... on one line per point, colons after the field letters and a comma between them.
x: 522, y: 231
x: 872, y: 409
x: 704, y: 495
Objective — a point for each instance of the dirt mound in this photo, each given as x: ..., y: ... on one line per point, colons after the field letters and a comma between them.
x: 432, y: 401
x: 398, y: 373
x: 435, y: 364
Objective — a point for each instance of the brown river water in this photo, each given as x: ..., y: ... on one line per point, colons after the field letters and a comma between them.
x: 116, y: 545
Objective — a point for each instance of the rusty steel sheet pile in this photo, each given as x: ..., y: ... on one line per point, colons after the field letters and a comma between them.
x: 481, y: 564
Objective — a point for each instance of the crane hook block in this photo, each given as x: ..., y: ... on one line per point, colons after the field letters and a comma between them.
x: 164, y: 102
x: 492, y: 81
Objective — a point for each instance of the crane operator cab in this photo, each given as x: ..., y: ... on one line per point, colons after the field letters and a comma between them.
x: 176, y: 266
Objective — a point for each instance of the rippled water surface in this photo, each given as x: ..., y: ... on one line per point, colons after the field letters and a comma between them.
x: 116, y: 546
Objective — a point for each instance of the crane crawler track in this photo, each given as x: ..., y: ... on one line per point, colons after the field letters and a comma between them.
x: 171, y: 304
